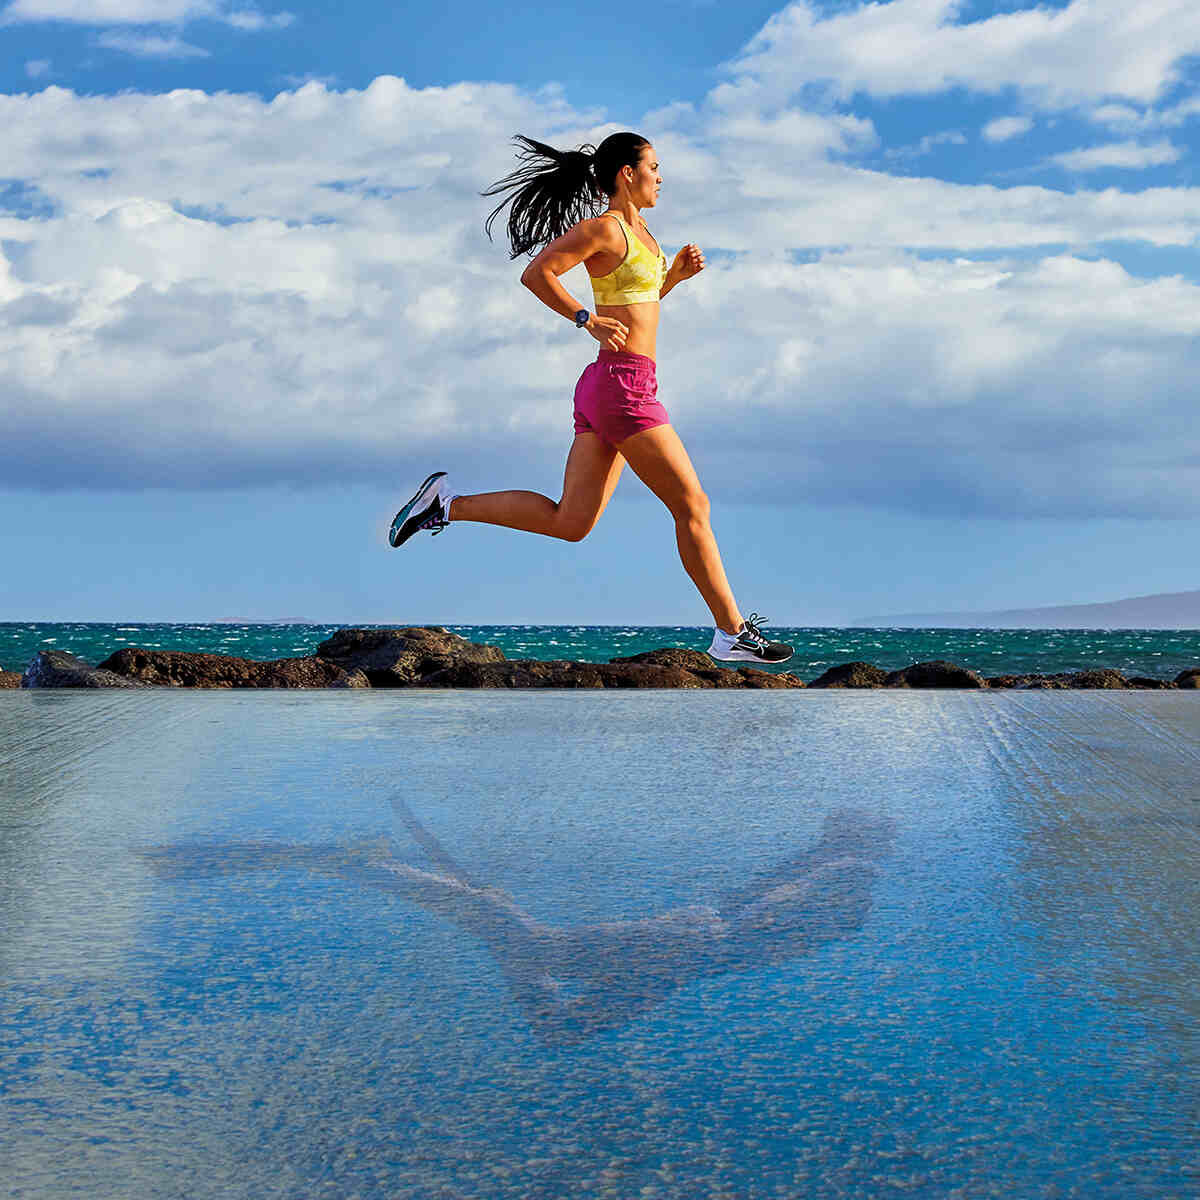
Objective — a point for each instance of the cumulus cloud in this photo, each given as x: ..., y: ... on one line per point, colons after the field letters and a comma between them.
x: 1131, y: 156
x: 1045, y: 388
x: 1004, y: 129
x: 222, y: 290
x: 1088, y: 50
x: 144, y: 45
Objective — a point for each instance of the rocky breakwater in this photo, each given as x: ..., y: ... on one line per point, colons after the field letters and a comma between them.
x: 428, y: 657
x: 432, y: 657
x: 666, y: 668
x: 940, y: 674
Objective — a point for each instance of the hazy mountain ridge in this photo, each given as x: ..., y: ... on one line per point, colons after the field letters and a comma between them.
x: 1167, y: 610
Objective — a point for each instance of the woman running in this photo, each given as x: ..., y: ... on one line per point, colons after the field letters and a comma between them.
x: 618, y: 418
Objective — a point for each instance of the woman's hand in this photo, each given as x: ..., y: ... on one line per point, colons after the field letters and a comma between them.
x: 688, y: 262
x: 608, y: 331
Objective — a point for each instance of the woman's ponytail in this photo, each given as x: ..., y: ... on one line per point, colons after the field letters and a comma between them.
x: 555, y: 189
x: 549, y: 193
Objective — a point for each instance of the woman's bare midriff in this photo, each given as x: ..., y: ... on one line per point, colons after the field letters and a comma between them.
x: 642, y: 322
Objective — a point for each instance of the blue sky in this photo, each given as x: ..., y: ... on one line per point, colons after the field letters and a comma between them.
x: 942, y: 358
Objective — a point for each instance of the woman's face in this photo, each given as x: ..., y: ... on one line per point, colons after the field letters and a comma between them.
x: 643, y: 180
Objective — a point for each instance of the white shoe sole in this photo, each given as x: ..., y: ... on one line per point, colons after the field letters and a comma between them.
x: 744, y: 656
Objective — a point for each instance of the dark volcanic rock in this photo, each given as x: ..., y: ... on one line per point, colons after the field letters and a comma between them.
x: 58, y: 669
x: 1189, y: 678
x: 10, y: 679
x: 1101, y: 677
x: 404, y: 657
x: 1143, y: 681
x: 851, y: 675
x: 754, y: 678
x: 936, y: 674
x: 1038, y: 682
x: 698, y: 670
x: 430, y: 657
x: 178, y: 668
x: 530, y: 673
x: 672, y: 656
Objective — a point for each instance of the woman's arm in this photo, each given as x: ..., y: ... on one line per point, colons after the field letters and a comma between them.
x: 688, y: 262
x: 579, y: 243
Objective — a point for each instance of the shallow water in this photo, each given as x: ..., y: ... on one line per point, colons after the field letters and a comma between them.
x: 440, y: 944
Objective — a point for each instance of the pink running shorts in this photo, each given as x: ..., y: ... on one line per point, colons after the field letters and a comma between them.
x: 617, y: 396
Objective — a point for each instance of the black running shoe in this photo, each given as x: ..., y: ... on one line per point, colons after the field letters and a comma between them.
x: 426, y: 510
x: 748, y: 645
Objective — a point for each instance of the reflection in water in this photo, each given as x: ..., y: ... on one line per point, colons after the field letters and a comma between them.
x: 1017, y: 1016
x: 574, y: 981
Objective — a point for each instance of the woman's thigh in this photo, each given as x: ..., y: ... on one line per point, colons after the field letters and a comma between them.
x: 659, y: 460
x: 593, y: 468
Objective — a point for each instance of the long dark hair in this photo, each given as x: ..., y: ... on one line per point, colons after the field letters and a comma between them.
x: 556, y: 188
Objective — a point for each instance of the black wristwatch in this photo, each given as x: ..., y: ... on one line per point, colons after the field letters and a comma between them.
x: 582, y: 317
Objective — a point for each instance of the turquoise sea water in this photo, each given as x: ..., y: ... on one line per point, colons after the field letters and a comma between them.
x: 527, y: 946
x: 1156, y: 653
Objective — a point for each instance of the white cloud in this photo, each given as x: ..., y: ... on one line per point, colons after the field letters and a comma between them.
x: 1089, y: 50
x: 1004, y: 129
x: 330, y: 308
x: 1181, y: 113
x: 1127, y: 119
x: 1133, y: 156
x: 254, y: 21
x: 298, y: 81
x: 805, y: 135
x: 1038, y: 387
x: 141, y: 12
x: 110, y: 12
x: 1121, y: 116
x: 927, y: 144
x: 35, y: 68
x: 148, y: 45
x: 815, y: 205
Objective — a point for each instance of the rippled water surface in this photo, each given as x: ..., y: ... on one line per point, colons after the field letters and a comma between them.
x: 599, y: 944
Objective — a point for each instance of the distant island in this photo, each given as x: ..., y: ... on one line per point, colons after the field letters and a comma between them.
x: 1168, y: 610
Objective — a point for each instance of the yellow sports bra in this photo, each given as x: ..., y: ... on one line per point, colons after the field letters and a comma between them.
x: 637, y: 278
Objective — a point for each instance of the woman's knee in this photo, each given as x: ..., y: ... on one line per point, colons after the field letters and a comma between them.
x: 693, y: 506
x: 572, y: 529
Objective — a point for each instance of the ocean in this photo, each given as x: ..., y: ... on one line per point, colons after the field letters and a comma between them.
x: 418, y: 945
x: 1155, y: 653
